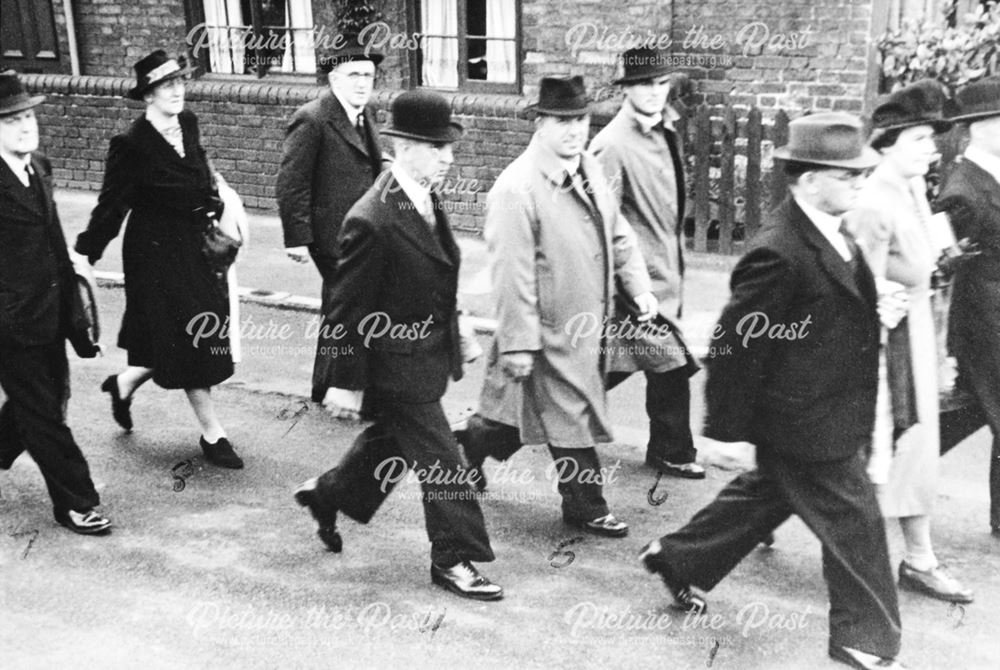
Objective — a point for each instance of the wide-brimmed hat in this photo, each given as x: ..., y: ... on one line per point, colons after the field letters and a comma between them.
x: 348, y: 47
x: 919, y: 104
x: 155, y: 69
x: 425, y: 116
x: 14, y: 97
x: 643, y: 63
x: 831, y: 139
x: 561, y: 96
x: 978, y: 100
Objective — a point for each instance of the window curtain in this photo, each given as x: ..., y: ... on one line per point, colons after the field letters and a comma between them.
x: 501, y: 56
x: 300, y: 52
x: 440, y: 67
x: 226, y: 28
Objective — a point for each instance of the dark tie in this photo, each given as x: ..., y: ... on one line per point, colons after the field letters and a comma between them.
x: 852, y: 246
x: 359, y: 125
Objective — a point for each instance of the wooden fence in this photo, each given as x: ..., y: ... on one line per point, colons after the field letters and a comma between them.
x: 728, y: 187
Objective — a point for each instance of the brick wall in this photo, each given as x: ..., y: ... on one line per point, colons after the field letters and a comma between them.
x: 112, y: 34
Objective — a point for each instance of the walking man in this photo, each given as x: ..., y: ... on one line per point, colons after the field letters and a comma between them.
x: 331, y: 156
x: 557, y: 240
x: 37, y: 316
x: 393, y: 317
x: 807, y: 402
x: 641, y: 155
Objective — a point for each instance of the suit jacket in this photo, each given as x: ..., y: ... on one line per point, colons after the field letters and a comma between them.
x: 806, y: 386
x: 394, y: 296
x: 325, y: 168
x: 971, y: 198
x: 36, y: 277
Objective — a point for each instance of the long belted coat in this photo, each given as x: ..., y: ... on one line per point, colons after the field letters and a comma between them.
x: 555, y: 257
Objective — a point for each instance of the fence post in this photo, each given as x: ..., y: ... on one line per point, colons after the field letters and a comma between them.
x: 703, y: 147
x: 727, y: 182
x: 754, y: 192
x: 779, y: 136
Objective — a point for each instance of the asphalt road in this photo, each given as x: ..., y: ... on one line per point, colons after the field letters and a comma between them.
x: 227, y: 571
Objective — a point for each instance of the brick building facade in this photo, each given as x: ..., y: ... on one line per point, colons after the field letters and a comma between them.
x: 794, y: 55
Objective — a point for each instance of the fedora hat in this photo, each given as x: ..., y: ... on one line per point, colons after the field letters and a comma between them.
x: 978, y: 100
x: 348, y: 47
x: 155, y: 69
x: 423, y: 115
x: 919, y: 104
x: 643, y: 63
x: 830, y: 139
x: 13, y: 96
x: 561, y: 96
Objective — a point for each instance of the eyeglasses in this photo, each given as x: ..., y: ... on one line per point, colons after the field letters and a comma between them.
x: 356, y: 76
x: 853, y: 176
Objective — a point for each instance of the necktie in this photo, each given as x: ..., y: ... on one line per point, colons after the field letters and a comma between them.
x: 359, y: 125
x: 30, y: 173
x: 428, y: 213
x: 852, y: 246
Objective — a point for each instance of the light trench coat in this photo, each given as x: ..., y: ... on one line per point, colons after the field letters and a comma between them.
x: 555, y: 257
x: 892, y: 231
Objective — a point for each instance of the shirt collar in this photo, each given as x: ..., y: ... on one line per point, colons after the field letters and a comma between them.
x: 646, y: 122
x: 828, y: 225
x: 985, y: 160
x: 572, y: 165
x: 414, y: 190
x: 17, y: 164
x: 351, y: 111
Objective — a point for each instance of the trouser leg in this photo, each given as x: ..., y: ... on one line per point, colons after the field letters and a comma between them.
x: 668, y: 405
x: 576, y: 474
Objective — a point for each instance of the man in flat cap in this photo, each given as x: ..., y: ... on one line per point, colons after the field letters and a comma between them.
x: 641, y: 155
x: 558, y: 241
x: 331, y: 156
x: 392, y: 313
x: 968, y: 196
x: 38, y: 300
x: 806, y: 401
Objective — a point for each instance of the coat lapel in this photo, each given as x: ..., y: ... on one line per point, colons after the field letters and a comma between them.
x: 15, y: 192
x: 336, y: 117
x: 410, y: 224
x: 826, y: 255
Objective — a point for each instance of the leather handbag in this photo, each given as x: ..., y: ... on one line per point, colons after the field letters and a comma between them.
x: 84, y: 331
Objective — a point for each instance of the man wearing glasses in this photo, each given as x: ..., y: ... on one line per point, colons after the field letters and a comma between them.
x: 807, y: 403
x: 331, y: 156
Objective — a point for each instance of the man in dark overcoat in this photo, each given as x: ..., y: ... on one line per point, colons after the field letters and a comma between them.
x: 394, y: 323
x: 37, y: 313
x: 331, y: 156
x: 803, y: 391
x: 970, y: 195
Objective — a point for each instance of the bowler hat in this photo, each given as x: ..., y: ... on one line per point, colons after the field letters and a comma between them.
x: 13, y: 96
x: 425, y: 116
x: 919, y: 104
x: 348, y: 47
x: 978, y: 100
x: 830, y: 139
x: 643, y: 63
x: 558, y: 96
x: 155, y: 69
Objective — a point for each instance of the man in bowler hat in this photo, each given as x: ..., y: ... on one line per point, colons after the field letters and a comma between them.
x: 392, y: 313
x: 641, y: 155
x: 968, y: 196
x: 558, y: 242
x: 331, y: 156
x: 808, y: 403
x: 39, y: 311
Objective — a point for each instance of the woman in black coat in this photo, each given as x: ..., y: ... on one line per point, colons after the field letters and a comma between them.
x: 158, y: 176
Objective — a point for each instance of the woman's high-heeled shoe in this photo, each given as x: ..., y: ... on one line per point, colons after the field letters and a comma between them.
x: 121, y: 410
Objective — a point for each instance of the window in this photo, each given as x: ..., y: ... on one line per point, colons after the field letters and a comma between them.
x: 28, y: 36
x: 468, y: 44
x: 252, y: 36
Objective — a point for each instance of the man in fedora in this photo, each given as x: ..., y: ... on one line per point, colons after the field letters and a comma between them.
x: 392, y: 315
x: 968, y: 197
x: 37, y: 293
x: 331, y: 156
x: 641, y: 155
x: 807, y: 403
x: 558, y: 241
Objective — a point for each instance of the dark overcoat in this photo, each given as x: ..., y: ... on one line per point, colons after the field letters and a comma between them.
x: 176, y: 307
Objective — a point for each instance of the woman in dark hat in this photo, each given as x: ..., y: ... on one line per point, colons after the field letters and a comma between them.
x: 896, y: 230
x: 157, y: 175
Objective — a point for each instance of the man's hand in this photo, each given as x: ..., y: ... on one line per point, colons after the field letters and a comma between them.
x: 343, y: 403
x: 893, y: 302
x: 517, y: 364
x: 648, y: 306
x: 298, y: 254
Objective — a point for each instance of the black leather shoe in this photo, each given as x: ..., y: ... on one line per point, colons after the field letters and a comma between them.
x: 87, y: 522
x: 476, y: 476
x: 862, y: 661
x: 685, y: 599
x: 606, y: 525
x: 305, y: 496
x: 936, y: 583
x: 683, y: 470
x: 463, y: 579
x: 121, y: 410
x: 221, y: 453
